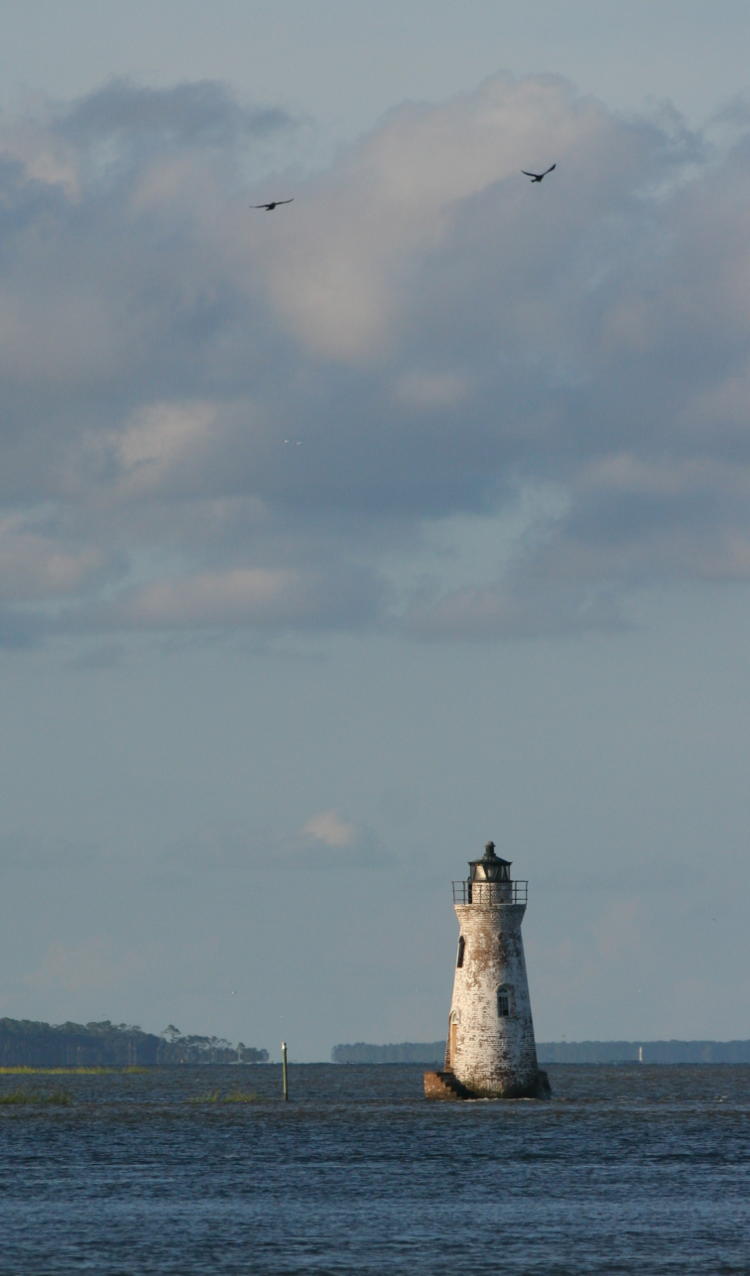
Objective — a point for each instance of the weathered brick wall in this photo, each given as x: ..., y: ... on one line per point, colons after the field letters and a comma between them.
x: 488, y: 1052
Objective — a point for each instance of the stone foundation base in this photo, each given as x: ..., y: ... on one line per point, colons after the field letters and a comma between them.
x: 444, y: 1085
x: 544, y: 1089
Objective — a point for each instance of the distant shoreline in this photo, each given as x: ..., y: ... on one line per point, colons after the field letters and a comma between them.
x: 35, y: 1044
x: 640, y: 1052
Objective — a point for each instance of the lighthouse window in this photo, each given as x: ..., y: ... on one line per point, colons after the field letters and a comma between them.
x: 503, y: 1002
x: 461, y: 946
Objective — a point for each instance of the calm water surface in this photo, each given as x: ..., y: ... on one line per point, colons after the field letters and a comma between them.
x: 631, y: 1169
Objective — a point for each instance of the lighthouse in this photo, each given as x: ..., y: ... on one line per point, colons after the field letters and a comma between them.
x: 490, y: 1052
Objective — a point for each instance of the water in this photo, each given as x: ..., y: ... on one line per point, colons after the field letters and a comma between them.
x: 631, y: 1169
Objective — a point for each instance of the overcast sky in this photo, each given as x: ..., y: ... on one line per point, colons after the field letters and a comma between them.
x: 337, y: 540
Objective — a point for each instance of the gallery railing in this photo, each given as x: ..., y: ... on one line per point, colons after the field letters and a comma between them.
x: 493, y: 894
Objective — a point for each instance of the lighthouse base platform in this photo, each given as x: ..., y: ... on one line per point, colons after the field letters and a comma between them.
x: 445, y: 1085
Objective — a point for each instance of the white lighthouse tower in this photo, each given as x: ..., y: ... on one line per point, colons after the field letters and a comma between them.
x: 490, y: 1051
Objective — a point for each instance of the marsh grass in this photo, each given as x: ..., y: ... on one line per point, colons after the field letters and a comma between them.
x: 35, y: 1097
x: 26, y: 1070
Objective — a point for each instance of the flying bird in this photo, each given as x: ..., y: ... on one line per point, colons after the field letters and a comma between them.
x: 273, y: 204
x: 537, y: 177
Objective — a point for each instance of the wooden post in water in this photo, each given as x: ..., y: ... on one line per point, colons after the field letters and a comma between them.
x: 284, y: 1077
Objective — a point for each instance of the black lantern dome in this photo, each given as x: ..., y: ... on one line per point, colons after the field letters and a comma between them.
x: 490, y: 868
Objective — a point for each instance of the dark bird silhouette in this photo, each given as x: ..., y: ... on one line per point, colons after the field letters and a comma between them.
x: 537, y: 177
x: 273, y: 204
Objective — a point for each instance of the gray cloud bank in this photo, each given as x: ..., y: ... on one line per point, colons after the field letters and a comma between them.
x: 216, y: 418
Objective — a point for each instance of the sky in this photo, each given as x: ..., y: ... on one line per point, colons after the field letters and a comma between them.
x: 338, y: 540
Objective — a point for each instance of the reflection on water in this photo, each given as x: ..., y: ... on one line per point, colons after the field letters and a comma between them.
x: 206, y: 1170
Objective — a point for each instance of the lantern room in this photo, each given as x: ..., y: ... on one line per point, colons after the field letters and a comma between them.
x: 490, y: 868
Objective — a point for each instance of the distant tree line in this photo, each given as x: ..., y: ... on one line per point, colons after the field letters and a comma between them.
x: 433, y: 1052
x: 652, y: 1051
x: 25, y: 1042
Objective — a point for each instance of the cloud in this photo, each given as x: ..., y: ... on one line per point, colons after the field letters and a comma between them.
x: 199, y: 113
x: 242, y: 595
x: 34, y: 565
x: 439, y: 337
x: 162, y: 438
x: 329, y: 841
x: 326, y: 841
x: 270, y: 599
x: 329, y: 828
